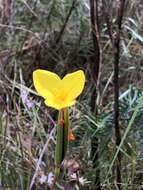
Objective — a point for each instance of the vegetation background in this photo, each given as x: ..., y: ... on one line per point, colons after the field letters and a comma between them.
x: 105, y: 39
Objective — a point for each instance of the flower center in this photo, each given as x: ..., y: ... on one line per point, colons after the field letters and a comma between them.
x: 61, y: 96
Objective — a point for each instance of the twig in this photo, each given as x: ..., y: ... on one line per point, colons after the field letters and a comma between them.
x: 16, y: 28
x: 116, y: 89
x: 49, y: 137
x: 96, y: 72
x: 30, y: 9
x: 106, y: 11
x: 66, y: 21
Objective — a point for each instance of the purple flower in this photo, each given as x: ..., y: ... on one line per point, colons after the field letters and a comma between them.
x: 51, y: 179
x: 25, y: 99
x: 43, y: 179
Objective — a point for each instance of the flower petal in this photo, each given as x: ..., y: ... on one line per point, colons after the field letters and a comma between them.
x: 73, y: 83
x: 46, y: 82
x: 52, y: 103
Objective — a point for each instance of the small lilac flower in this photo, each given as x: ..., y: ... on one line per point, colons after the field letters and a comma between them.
x: 25, y: 99
x: 80, y: 180
x: 24, y: 95
x: 51, y: 179
x: 29, y: 103
x: 43, y: 179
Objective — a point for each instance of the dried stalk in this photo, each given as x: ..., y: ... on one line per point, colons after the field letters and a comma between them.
x: 116, y: 89
x: 96, y: 80
x: 65, y: 22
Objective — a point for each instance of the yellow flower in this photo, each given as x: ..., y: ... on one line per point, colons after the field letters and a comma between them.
x: 59, y: 93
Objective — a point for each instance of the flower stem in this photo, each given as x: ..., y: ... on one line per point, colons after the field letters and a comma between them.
x: 66, y: 131
x: 62, y: 139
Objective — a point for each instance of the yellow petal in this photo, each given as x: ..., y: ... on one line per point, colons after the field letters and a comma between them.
x: 58, y: 93
x: 58, y: 106
x: 73, y: 84
x: 46, y: 83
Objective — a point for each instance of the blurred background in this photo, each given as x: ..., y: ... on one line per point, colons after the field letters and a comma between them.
x: 104, y: 38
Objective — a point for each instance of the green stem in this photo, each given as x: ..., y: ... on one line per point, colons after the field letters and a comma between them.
x: 62, y: 139
x: 66, y: 130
